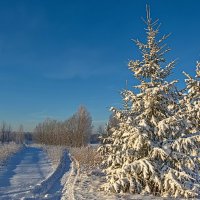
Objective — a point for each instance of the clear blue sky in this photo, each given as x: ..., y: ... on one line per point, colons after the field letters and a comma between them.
x: 57, y: 55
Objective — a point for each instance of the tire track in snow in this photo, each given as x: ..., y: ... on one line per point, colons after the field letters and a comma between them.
x: 51, y: 187
x: 22, y: 172
x: 68, y: 190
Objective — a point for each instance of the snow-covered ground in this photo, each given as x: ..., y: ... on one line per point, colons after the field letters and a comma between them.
x: 7, y: 149
x: 85, y: 185
x: 85, y: 178
x: 30, y: 175
x: 22, y: 172
x: 51, y: 187
x: 54, y: 153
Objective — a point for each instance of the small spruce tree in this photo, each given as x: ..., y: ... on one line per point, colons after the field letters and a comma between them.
x: 191, y: 101
x: 149, y: 151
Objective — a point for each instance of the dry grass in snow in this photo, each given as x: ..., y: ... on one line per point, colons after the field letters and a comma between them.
x: 87, y: 157
x: 7, y: 149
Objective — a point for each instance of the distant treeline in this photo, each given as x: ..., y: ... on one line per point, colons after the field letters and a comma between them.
x: 8, y: 135
x: 75, y: 131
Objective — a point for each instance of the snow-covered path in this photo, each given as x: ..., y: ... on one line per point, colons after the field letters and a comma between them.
x: 23, y: 171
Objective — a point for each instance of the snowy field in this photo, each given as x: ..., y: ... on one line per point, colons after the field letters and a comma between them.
x: 54, y: 153
x: 22, y: 172
x: 85, y: 179
x: 48, y: 172
x: 34, y: 173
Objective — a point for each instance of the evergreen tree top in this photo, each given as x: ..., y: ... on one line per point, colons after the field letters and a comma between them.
x: 149, y: 68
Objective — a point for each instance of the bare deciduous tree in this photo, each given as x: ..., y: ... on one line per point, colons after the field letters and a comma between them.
x: 75, y: 131
x: 19, y: 137
x: 5, y: 132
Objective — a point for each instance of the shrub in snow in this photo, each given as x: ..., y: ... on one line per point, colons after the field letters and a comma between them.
x: 152, y: 151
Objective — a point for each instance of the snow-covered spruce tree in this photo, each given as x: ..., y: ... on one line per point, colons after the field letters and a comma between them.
x: 191, y: 102
x: 149, y: 152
